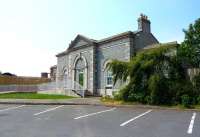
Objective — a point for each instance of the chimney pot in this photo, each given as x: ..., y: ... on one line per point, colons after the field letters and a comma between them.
x: 144, y: 23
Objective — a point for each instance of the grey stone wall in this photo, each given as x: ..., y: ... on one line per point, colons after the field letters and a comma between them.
x: 87, y: 53
x: 119, y: 50
x: 62, y: 63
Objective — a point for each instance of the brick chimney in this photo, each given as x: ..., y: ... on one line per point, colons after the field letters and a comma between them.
x: 144, y: 24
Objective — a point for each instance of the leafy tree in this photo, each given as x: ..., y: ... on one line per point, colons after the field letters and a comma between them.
x: 189, y: 50
x: 148, y: 74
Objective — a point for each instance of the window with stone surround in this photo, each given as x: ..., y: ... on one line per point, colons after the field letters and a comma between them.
x: 109, y: 79
x: 107, y: 75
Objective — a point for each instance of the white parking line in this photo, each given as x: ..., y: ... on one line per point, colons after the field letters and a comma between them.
x: 1, y: 110
x: 123, y: 124
x: 191, y: 124
x: 91, y: 114
x: 51, y: 109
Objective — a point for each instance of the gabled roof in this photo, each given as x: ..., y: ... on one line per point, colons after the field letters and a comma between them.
x: 116, y: 37
x: 93, y: 42
x: 72, y: 44
x: 78, y: 37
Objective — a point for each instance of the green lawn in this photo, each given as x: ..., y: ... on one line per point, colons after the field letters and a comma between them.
x: 19, y: 95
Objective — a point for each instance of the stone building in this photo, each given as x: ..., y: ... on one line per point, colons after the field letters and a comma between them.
x: 53, y: 70
x: 85, y: 59
x: 44, y: 75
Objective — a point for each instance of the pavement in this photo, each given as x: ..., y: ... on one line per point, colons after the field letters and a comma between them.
x: 73, y: 101
x: 95, y: 121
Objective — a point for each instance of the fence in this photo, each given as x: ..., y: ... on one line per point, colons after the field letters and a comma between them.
x: 62, y: 85
x: 14, y: 80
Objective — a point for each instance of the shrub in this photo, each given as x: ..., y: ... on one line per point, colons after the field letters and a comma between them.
x: 131, y: 97
x: 196, y: 82
x: 180, y: 88
x: 117, y: 96
x: 140, y: 97
x: 198, y: 100
x: 185, y: 100
x: 124, y: 92
x: 148, y: 99
x: 153, y: 87
x: 107, y: 97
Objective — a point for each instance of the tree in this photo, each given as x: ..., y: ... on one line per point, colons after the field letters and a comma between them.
x: 189, y: 50
x: 149, y: 73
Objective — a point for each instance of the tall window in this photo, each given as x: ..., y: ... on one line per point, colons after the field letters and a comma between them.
x: 65, y: 74
x: 109, y: 78
x: 81, y: 77
x: 80, y: 71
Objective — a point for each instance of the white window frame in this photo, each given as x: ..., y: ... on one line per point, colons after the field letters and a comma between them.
x: 109, y: 75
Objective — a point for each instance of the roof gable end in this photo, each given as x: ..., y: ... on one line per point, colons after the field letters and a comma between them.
x: 80, y: 41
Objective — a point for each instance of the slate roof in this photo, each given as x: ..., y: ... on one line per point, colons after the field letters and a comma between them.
x: 102, y: 41
x: 171, y: 44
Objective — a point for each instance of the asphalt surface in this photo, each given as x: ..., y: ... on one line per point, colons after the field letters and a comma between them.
x: 95, y: 121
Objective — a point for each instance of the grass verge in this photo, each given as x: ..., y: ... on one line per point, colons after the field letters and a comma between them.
x: 111, y: 101
x: 32, y: 95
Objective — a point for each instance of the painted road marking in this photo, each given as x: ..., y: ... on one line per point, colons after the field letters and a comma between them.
x: 1, y: 110
x: 51, y: 109
x: 125, y: 123
x: 191, y: 124
x: 91, y: 114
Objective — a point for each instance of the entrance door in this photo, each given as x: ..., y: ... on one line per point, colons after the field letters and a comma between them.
x: 81, y: 77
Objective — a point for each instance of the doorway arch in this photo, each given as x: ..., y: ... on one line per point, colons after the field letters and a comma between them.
x: 80, y: 71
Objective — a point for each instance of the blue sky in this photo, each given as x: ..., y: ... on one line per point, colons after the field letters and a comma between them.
x: 33, y: 31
